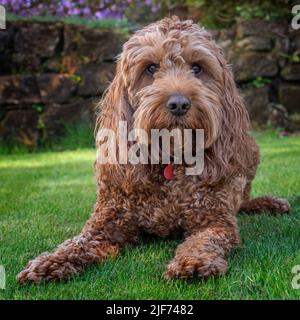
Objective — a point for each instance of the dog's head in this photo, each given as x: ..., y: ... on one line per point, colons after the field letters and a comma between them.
x: 171, y: 74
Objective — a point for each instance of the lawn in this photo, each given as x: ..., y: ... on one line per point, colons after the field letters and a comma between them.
x: 46, y: 197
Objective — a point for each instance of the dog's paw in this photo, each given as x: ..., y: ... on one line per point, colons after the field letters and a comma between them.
x: 43, y: 268
x: 281, y: 205
x: 193, y: 267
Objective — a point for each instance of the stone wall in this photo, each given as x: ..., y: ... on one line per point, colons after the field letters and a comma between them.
x: 265, y: 57
x: 52, y: 74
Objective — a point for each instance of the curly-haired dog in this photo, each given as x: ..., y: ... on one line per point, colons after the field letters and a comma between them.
x: 178, y: 61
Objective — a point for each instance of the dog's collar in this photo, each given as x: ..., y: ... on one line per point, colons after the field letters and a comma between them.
x: 169, y: 171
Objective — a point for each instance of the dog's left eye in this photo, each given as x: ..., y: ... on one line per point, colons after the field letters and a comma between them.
x: 197, y: 69
x: 151, y: 69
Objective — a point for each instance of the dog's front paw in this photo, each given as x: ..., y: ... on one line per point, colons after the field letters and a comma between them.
x: 187, y: 267
x: 44, y: 268
x: 281, y: 205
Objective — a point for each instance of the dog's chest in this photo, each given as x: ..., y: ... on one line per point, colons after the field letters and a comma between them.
x: 170, y: 204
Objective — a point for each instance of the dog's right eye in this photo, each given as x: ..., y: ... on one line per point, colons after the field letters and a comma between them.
x: 151, y: 69
x: 197, y: 69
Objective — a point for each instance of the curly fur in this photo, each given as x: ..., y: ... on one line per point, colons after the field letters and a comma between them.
x: 135, y: 199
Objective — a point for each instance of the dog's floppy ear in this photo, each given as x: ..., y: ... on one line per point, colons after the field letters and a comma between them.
x: 114, y: 106
x: 228, y: 153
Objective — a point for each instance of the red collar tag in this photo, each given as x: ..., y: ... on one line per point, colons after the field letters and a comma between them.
x: 169, y: 172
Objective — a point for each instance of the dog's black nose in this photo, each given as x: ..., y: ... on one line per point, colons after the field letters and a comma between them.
x: 178, y: 105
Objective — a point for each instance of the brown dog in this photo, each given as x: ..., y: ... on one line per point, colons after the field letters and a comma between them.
x: 170, y: 74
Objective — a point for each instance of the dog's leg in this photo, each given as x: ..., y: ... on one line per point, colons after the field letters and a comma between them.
x: 203, y: 253
x: 101, y: 238
x: 265, y: 204
x: 68, y: 259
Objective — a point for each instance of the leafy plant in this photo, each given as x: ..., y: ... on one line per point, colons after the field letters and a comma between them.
x: 92, y: 10
x: 91, y: 23
x: 222, y: 14
x: 294, y: 57
x: 76, y: 78
x: 260, y: 82
x: 39, y: 107
x: 247, y: 11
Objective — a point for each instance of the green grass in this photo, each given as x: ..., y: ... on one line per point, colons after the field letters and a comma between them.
x: 46, y: 197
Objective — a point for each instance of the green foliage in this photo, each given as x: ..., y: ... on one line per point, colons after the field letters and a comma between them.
x: 217, y: 13
x: 294, y: 57
x: 39, y: 107
x: 97, y: 24
x: 76, y: 77
x: 41, y: 124
x: 75, y: 137
x: 260, y: 82
x: 248, y: 12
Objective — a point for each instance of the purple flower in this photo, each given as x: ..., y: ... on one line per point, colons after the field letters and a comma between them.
x: 91, y: 9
